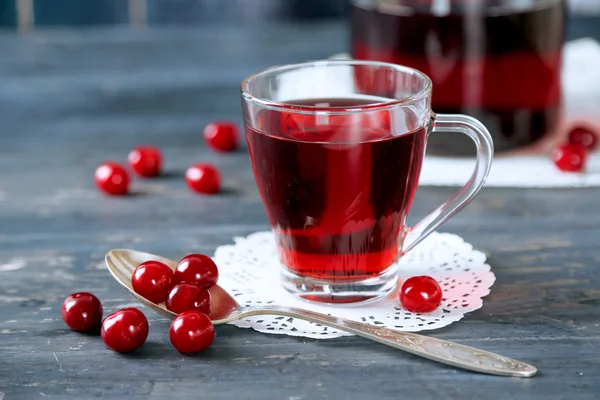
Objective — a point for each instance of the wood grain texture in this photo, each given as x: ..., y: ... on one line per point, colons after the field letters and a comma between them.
x: 70, y: 100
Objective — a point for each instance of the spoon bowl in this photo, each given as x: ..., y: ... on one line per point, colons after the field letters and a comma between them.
x: 121, y: 263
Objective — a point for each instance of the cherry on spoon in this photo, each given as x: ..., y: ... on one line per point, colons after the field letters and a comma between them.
x: 224, y: 309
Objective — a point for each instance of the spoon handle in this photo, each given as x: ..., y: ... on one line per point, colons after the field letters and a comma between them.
x: 442, y: 351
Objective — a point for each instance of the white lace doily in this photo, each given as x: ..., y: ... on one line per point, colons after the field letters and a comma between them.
x: 249, y: 269
x: 517, y: 171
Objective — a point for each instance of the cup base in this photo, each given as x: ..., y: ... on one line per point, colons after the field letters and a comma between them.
x: 340, y: 292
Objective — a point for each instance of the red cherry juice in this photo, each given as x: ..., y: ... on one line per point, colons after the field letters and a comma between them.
x: 486, y: 58
x: 337, y: 189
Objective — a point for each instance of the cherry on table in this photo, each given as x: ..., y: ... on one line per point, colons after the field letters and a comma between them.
x: 421, y: 294
x: 145, y: 161
x: 125, y: 330
x: 198, y: 270
x: 111, y: 178
x: 152, y: 280
x: 570, y: 157
x: 187, y: 297
x: 191, y: 332
x: 584, y: 136
x: 203, y: 178
x: 222, y: 135
x: 82, y: 312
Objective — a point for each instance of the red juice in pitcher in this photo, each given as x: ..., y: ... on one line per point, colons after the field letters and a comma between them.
x: 496, y: 60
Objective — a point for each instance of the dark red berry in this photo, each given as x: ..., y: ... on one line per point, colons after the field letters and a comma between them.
x: 187, y: 297
x: 221, y: 136
x: 570, y: 157
x: 421, y: 294
x: 125, y: 330
x: 584, y: 136
x: 191, y: 332
x: 82, y: 312
x: 203, y: 178
x: 145, y: 161
x: 152, y: 280
x: 112, y: 178
x: 198, y: 270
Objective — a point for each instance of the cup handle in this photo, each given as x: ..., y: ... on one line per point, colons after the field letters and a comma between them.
x: 485, y: 152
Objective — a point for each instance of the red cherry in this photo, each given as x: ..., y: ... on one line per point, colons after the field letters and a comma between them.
x: 221, y: 136
x: 186, y: 297
x: 125, y: 330
x: 203, y: 178
x: 145, y: 161
x: 112, y: 178
x: 570, y: 157
x: 82, y: 312
x: 152, y: 280
x: 583, y: 136
x: 191, y: 332
x: 198, y: 270
x: 421, y: 294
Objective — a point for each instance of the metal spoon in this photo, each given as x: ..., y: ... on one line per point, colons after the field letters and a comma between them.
x: 224, y: 309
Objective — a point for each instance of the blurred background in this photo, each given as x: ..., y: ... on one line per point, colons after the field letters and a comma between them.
x: 28, y: 14
x: 112, y: 67
x: 106, y: 12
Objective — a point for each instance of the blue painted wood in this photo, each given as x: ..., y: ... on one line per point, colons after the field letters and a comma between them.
x: 8, y: 13
x: 70, y: 100
x: 80, y: 13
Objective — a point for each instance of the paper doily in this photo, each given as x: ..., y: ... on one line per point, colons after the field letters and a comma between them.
x: 249, y: 269
x: 517, y: 171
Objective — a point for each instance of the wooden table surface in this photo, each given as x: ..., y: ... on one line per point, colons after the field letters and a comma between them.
x: 72, y: 99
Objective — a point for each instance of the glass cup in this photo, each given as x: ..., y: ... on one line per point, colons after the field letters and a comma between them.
x: 496, y: 60
x: 337, y: 148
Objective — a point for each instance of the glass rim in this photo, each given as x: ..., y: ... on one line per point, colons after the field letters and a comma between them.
x: 384, y: 105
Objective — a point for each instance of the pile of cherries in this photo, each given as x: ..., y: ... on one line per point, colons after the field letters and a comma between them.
x: 146, y: 161
x: 572, y: 156
x: 184, y: 292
